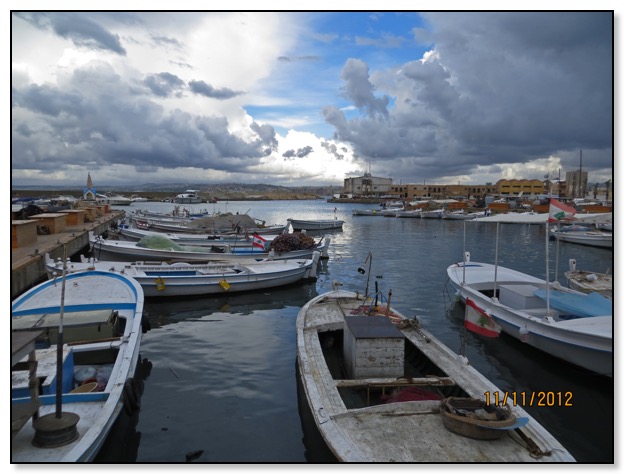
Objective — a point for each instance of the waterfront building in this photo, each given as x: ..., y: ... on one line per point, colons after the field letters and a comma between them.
x: 367, y: 185
x: 518, y: 187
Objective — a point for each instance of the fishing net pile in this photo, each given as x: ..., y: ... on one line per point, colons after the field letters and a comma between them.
x: 290, y: 242
x: 158, y: 242
x: 224, y: 223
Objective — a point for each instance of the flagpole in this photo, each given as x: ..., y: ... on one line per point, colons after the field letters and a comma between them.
x: 494, y: 297
x: 547, y: 271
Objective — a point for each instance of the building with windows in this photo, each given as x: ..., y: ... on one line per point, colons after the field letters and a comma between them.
x: 367, y: 186
x: 517, y: 187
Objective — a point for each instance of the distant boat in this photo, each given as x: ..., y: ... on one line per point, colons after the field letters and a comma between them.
x: 591, y: 238
x: 409, y: 213
x: 366, y: 212
x: 321, y: 224
x: 376, y: 381
x: 188, y: 197
x: 113, y: 199
x: 187, y: 279
x: 432, y: 213
x: 463, y: 215
x: 137, y: 198
x: 103, y: 322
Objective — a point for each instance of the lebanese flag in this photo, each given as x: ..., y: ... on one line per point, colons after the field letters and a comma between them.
x: 258, y: 241
x: 477, y: 320
x: 560, y: 212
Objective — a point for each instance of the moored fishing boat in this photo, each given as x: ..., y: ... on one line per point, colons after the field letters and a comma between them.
x: 318, y: 224
x: 572, y: 326
x: 200, y: 240
x: 375, y: 382
x: 163, y: 249
x: 96, y: 320
x: 592, y: 238
x: 186, y: 279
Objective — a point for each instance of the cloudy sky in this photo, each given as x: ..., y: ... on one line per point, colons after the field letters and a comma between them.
x: 296, y: 98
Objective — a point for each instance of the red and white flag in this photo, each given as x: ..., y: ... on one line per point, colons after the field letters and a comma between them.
x: 258, y: 241
x: 477, y: 320
x: 560, y: 212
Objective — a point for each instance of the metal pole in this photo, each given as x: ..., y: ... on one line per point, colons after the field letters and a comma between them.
x: 59, y: 347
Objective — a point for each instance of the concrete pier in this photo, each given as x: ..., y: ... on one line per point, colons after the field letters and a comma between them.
x: 27, y: 261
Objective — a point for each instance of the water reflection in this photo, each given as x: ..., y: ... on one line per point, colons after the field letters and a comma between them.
x: 223, y: 381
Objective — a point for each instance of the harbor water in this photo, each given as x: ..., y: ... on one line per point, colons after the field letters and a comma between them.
x: 218, y: 374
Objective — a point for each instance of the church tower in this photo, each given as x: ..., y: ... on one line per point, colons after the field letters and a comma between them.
x: 88, y: 193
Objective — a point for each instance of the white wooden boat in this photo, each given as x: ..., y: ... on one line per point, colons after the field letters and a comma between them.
x: 375, y: 381
x: 186, y: 279
x: 120, y: 250
x: 199, y: 240
x: 567, y: 324
x: 587, y: 282
x: 189, y: 224
x: 591, y: 238
x: 409, y: 213
x: 432, y: 213
x: 102, y: 314
x: 462, y: 215
x: 114, y: 199
x: 311, y: 224
x: 366, y: 212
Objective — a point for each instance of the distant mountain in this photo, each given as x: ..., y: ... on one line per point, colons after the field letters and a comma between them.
x: 203, y: 188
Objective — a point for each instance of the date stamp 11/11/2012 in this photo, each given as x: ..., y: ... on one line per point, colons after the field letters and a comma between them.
x: 529, y: 399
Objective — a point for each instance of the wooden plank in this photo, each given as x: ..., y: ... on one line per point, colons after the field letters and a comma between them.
x: 394, y: 382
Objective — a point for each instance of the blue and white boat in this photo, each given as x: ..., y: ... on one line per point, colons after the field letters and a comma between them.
x: 93, y: 322
x: 161, y: 279
x: 573, y: 326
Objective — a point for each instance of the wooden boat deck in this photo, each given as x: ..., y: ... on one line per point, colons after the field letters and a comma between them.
x: 409, y: 431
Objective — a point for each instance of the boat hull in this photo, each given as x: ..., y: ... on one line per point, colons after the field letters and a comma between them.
x: 397, y: 431
x: 593, y: 239
x: 584, y: 342
x: 161, y: 280
x: 97, y: 411
x: 115, y: 250
x: 299, y: 225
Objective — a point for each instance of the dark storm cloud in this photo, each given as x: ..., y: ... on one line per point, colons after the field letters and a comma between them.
x: 164, y: 84
x: 266, y: 133
x: 300, y: 153
x: 359, y: 89
x: 202, y: 88
x: 334, y: 150
x: 103, y: 121
x: 78, y: 28
x: 501, y: 88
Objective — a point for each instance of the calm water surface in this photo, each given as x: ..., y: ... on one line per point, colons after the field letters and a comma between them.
x: 219, y: 373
